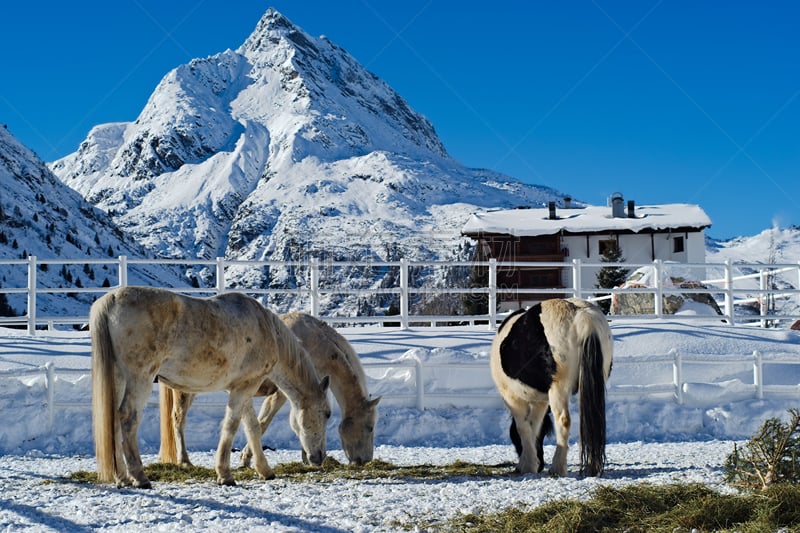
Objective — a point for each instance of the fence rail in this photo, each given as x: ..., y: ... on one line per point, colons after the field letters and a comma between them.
x: 743, y: 291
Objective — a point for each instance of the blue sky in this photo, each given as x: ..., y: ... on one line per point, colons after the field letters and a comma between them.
x: 664, y: 101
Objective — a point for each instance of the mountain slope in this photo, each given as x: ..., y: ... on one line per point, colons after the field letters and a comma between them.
x: 282, y: 149
x: 40, y: 216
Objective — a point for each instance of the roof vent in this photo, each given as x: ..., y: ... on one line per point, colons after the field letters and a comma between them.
x: 552, y: 207
x: 617, y: 207
x: 631, y: 209
x: 567, y: 202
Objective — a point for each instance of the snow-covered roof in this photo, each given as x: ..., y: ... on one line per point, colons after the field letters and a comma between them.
x: 589, y: 219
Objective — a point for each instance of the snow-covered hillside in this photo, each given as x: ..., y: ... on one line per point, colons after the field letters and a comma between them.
x: 773, y: 245
x: 284, y: 148
x: 41, y: 216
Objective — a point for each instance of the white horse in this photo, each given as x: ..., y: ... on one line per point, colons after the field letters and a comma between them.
x: 332, y: 356
x: 228, y: 342
x: 539, y: 358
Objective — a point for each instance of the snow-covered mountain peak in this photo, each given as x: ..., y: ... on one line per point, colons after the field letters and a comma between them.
x: 271, y: 28
x: 282, y: 148
x: 350, y: 111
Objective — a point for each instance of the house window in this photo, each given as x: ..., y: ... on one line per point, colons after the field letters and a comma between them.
x: 677, y: 245
x: 608, y: 246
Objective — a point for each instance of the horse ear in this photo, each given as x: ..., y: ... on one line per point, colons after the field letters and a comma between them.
x: 325, y: 382
x: 373, y: 402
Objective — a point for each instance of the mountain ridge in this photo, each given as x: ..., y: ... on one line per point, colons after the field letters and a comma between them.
x: 42, y: 217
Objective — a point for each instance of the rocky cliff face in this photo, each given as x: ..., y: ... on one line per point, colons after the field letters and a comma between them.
x: 42, y: 217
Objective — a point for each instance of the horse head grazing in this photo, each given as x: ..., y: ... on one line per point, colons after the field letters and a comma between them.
x: 539, y: 358
x: 309, y: 419
x: 357, y: 432
x: 333, y: 356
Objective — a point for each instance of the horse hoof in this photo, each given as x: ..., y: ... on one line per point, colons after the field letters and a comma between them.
x: 226, y: 482
x: 142, y: 484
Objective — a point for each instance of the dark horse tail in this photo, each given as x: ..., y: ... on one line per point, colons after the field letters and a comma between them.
x: 592, y: 390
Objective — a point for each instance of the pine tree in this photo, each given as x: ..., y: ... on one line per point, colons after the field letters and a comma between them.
x: 5, y: 308
x: 477, y: 303
x: 611, y: 276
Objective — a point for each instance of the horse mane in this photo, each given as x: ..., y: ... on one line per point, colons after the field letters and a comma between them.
x: 289, y: 349
x: 351, y: 357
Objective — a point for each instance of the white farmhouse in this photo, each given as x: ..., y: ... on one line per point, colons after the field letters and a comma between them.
x: 670, y: 232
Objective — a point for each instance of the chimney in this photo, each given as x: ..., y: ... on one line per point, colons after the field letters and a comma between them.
x: 567, y: 202
x: 631, y: 209
x: 617, y: 209
x: 552, y: 207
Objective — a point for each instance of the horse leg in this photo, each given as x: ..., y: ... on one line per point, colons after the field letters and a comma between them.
x: 180, y: 412
x: 272, y: 404
x: 528, y: 424
x: 173, y: 406
x: 130, y: 412
x: 252, y: 430
x: 559, y: 403
x: 546, y: 429
x: 230, y: 423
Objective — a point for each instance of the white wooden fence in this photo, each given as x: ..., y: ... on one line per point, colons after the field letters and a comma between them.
x: 728, y: 286
x: 679, y: 389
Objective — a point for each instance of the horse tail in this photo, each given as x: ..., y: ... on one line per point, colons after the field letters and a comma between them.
x: 104, y: 401
x: 168, y: 452
x: 592, y: 392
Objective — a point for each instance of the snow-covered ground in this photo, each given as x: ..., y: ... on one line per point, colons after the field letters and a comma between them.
x: 27, y: 503
x: 651, y: 439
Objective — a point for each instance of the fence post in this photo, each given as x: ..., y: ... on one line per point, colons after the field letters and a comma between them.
x: 123, y: 271
x: 659, y: 295
x: 420, y: 384
x: 729, y: 291
x: 758, y: 374
x: 403, y: 293
x: 762, y: 296
x: 50, y: 386
x: 32, y: 295
x: 220, y: 274
x: 677, y: 374
x: 313, y: 275
x: 492, y: 294
x: 577, y: 278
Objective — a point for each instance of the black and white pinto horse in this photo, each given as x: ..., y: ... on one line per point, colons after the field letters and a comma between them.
x: 539, y: 358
